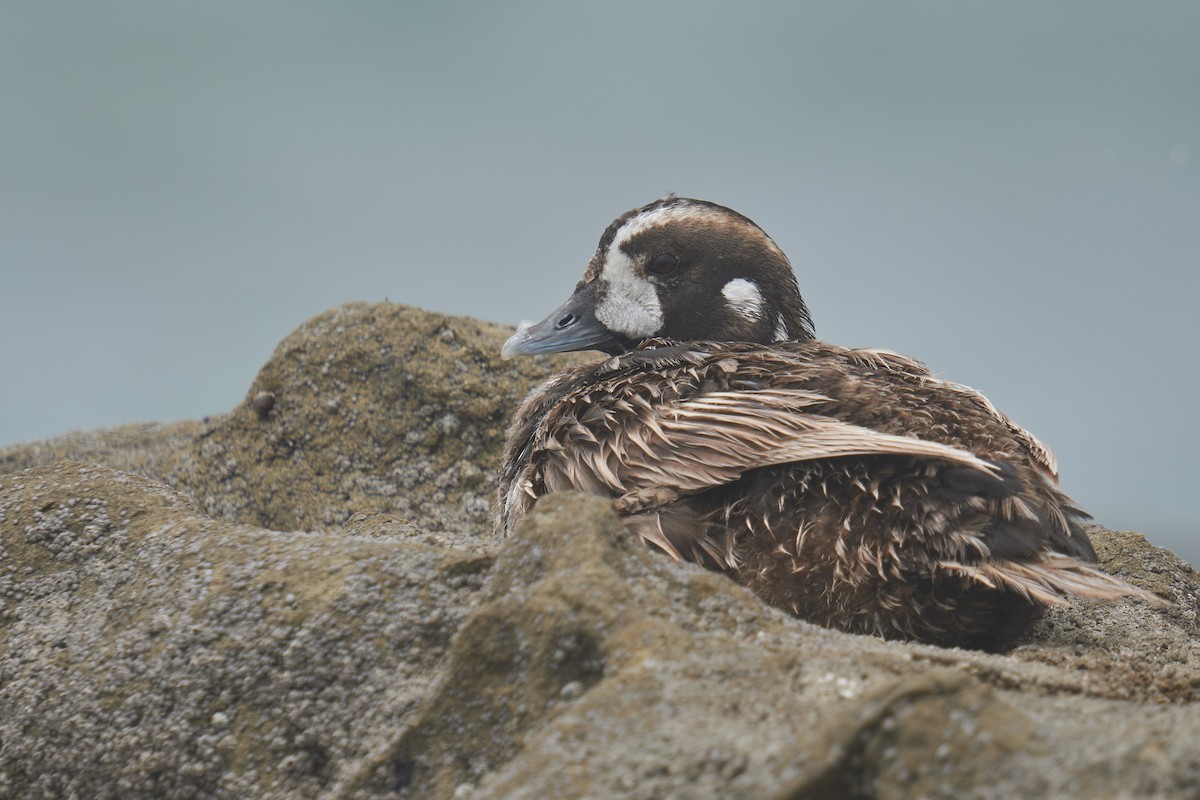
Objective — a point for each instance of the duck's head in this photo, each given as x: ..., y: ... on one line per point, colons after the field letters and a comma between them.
x: 678, y: 269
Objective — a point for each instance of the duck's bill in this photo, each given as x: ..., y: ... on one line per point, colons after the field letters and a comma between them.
x: 571, y: 326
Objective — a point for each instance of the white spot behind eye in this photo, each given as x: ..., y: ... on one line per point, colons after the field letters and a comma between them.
x: 629, y: 303
x: 744, y: 297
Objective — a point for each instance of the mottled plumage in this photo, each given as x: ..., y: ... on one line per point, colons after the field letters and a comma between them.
x: 850, y: 487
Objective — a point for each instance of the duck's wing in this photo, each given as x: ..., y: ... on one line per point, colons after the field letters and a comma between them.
x: 650, y: 455
x: 644, y: 453
x: 714, y: 438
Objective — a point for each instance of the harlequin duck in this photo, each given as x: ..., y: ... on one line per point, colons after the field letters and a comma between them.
x: 849, y: 487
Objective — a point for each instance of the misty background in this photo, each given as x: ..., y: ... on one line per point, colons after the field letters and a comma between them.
x: 1008, y: 191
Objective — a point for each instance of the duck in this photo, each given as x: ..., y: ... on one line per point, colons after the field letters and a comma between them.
x: 850, y: 487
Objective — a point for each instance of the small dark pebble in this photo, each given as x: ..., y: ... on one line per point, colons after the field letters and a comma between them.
x: 262, y: 404
x: 402, y: 774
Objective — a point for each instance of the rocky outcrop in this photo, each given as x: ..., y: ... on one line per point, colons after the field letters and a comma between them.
x: 365, y: 409
x: 300, y: 599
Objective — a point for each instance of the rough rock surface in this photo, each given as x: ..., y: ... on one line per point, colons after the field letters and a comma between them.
x: 376, y: 409
x: 303, y: 601
x: 144, y: 448
x: 151, y: 651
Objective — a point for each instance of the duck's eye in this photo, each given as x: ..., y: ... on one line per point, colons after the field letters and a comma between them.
x: 663, y: 264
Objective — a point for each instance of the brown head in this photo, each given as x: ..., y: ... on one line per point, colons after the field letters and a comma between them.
x: 678, y: 269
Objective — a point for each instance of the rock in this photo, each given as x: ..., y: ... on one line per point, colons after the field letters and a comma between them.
x: 149, y: 651
x: 692, y: 689
x: 142, y: 448
x: 374, y: 409
x: 381, y: 408
x: 169, y: 633
x: 1123, y: 650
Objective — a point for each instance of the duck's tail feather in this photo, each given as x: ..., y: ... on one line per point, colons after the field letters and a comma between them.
x: 1050, y: 580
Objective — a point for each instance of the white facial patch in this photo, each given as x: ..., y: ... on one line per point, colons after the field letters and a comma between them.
x: 629, y: 303
x: 744, y: 297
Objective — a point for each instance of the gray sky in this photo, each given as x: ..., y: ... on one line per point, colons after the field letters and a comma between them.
x: 1009, y: 191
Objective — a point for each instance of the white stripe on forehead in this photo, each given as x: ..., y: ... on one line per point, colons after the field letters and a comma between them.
x: 662, y: 215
